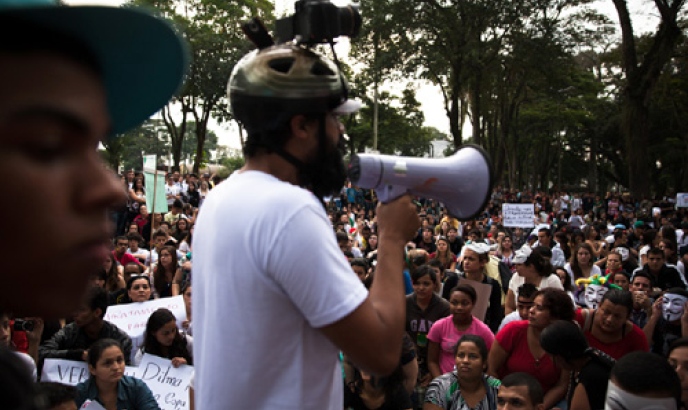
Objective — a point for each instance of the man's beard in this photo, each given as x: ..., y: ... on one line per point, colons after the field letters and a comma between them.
x: 326, y: 175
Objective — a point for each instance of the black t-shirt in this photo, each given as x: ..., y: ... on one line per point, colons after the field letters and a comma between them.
x: 398, y: 401
x: 664, y: 334
x: 594, y: 377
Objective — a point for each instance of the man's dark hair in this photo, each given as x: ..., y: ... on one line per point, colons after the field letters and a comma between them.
x: 53, y: 394
x: 527, y: 290
x: 159, y: 233
x: 641, y: 274
x: 436, y: 263
x: 97, y: 298
x: 544, y: 251
x: 656, y: 251
x: 135, y: 237
x: 518, y: 379
x: 547, y: 231
x: 121, y: 238
x: 362, y: 262
x: 619, y: 297
x: 341, y: 237
x: 558, y: 303
x: 643, y: 372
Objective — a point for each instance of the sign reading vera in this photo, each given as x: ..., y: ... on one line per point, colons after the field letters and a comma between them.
x: 169, y: 384
x: 518, y: 215
x: 132, y: 317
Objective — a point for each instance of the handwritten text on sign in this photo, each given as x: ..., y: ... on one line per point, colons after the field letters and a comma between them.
x: 131, y: 318
x: 518, y: 215
x: 169, y: 385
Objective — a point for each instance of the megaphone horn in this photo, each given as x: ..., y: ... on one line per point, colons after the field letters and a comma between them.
x: 462, y: 182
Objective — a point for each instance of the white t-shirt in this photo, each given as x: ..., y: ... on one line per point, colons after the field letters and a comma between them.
x: 267, y: 275
x: 595, y: 271
x: 551, y: 281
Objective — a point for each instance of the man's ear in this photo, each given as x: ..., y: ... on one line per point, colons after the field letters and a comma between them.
x: 300, y: 125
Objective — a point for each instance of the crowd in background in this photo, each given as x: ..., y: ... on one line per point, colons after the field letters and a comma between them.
x: 539, y: 280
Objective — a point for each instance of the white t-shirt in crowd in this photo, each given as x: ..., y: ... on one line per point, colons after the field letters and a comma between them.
x: 551, y: 281
x: 595, y: 271
x: 267, y: 275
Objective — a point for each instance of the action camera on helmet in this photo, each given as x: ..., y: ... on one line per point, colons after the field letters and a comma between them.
x: 318, y: 21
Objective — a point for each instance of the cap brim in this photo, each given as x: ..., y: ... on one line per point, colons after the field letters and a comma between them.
x: 143, y: 60
x: 348, y: 107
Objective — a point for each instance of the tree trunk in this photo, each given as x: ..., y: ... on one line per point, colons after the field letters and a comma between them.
x: 636, y: 128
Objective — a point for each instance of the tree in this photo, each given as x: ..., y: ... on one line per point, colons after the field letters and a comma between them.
x: 216, y: 44
x: 641, y: 78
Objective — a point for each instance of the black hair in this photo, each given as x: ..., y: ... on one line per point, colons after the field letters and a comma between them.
x: 133, y: 279
x: 342, y: 236
x: 96, y: 350
x: 682, y: 342
x: 619, y: 297
x: 160, y: 232
x: 678, y: 291
x: 362, y: 262
x: 97, y: 298
x: 527, y: 290
x: 558, y: 303
x: 542, y: 266
x: 656, y: 251
x: 641, y: 274
x: 436, y: 263
x: 478, y: 341
x: 423, y: 270
x: 135, y: 237
x: 565, y: 339
x: 544, y: 251
x: 179, y: 347
x: 643, y: 372
x: 121, y: 238
x: 535, y: 393
x: 467, y: 289
x: 547, y: 231
x: 54, y: 394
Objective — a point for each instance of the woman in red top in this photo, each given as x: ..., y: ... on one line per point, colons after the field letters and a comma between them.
x: 517, y: 346
x: 608, y: 329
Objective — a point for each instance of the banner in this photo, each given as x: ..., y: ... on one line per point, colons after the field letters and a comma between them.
x: 155, y: 192
x: 169, y: 385
x: 518, y: 215
x: 131, y: 318
x: 682, y: 200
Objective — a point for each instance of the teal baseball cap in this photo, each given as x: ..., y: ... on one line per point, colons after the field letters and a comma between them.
x: 143, y: 60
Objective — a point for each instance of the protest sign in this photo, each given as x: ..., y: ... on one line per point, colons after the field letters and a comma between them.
x: 91, y: 405
x: 518, y: 215
x: 682, y: 200
x: 169, y: 385
x: 132, y: 317
x: 71, y: 372
x: 483, y: 292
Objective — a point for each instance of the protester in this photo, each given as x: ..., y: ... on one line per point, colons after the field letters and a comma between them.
x: 533, y: 268
x: 678, y: 360
x: 669, y: 320
x: 520, y: 391
x: 517, y: 346
x: 642, y: 380
x: 108, y: 385
x: 591, y: 368
x: 468, y: 384
x: 445, y: 332
x: 163, y: 339
x: 242, y: 262
x: 56, y: 396
x: 423, y: 308
x: 526, y: 295
x: 73, y: 340
x: 608, y: 327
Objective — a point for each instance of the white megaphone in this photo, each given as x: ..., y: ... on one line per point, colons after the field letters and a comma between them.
x: 462, y: 182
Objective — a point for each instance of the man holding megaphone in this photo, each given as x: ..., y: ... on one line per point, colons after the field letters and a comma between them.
x: 269, y: 318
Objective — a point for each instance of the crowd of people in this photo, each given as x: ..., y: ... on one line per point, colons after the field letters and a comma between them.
x: 391, y: 306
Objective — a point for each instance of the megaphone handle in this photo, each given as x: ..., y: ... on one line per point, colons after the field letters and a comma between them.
x: 389, y: 193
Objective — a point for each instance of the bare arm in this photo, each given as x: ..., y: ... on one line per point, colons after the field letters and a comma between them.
x: 434, y: 359
x: 556, y: 393
x: 430, y: 406
x: 410, y: 370
x: 382, y: 315
x: 510, y: 302
x: 579, y: 400
x: 496, y: 359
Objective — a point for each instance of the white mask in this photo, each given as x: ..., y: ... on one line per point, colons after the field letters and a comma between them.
x: 672, y: 306
x: 593, y: 295
x: 619, y: 399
